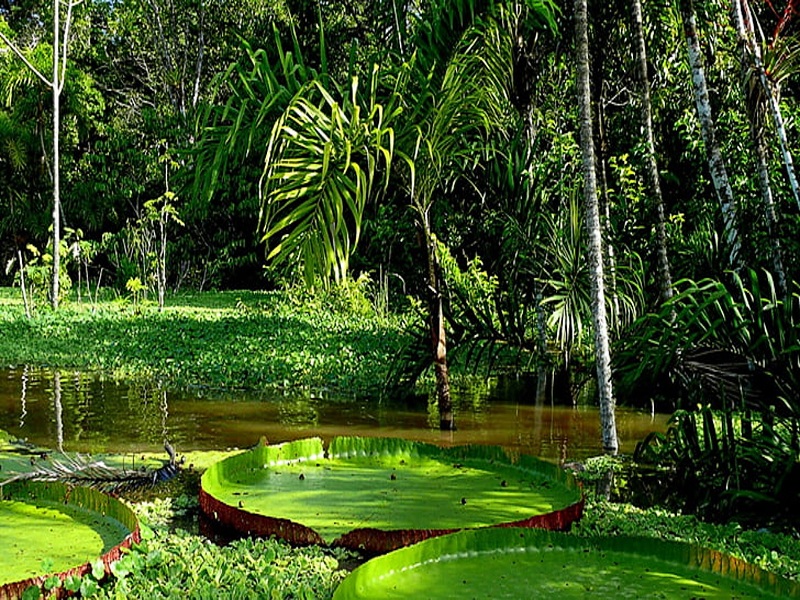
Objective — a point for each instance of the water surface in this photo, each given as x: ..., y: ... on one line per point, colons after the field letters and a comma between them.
x: 89, y: 412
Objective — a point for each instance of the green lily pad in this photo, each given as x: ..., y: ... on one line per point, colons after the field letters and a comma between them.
x: 49, y: 528
x: 534, y: 563
x: 378, y: 494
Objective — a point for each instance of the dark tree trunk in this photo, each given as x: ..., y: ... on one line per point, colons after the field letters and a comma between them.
x: 437, y: 329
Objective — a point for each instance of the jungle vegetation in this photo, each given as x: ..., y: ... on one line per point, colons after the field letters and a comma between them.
x: 592, y: 187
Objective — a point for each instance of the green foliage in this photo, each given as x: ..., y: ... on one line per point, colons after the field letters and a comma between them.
x: 135, y: 286
x: 771, y: 551
x: 737, y: 340
x: 177, y: 564
x: 280, y: 339
x: 324, y: 156
x: 726, y: 465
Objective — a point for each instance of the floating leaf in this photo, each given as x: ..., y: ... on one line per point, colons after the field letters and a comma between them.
x: 348, y: 497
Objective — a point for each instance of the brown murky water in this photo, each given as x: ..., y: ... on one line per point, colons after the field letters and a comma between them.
x: 87, y: 412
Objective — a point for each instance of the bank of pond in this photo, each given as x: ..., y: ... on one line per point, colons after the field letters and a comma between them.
x: 415, y: 518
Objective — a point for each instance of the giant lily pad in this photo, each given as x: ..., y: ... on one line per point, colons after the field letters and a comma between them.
x: 50, y: 529
x: 378, y: 494
x: 533, y: 563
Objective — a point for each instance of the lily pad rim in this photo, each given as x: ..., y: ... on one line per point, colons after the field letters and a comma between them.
x: 456, y: 545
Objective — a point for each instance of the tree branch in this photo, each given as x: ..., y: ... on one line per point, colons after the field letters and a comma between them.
x: 67, y: 26
x: 19, y: 53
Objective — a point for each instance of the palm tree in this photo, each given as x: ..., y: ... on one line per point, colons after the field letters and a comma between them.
x: 601, y: 343
x: 332, y: 144
x: 471, y: 103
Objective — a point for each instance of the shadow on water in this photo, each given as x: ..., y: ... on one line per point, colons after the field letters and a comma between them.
x: 89, y: 412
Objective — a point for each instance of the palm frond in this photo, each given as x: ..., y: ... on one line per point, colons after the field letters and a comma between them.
x: 80, y: 470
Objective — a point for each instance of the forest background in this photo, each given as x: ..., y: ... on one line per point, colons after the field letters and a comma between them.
x: 432, y: 156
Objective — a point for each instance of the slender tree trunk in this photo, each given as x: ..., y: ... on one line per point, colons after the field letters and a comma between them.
x: 746, y: 31
x: 719, y: 174
x: 598, y: 60
x: 54, y: 288
x: 437, y: 327
x: 162, y: 260
x: 601, y: 344
x: 539, y: 312
x: 755, y: 98
x: 769, y: 205
x: 664, y: 276
x: 756, y: 109
x: 22, y: 284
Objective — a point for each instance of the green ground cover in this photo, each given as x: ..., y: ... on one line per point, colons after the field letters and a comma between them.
x: 241, y: 339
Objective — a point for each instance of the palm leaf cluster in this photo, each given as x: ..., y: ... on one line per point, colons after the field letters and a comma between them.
x: 729, y: 464
x: 324, y: 156
x: 81, y: 470
x: 736, y: 342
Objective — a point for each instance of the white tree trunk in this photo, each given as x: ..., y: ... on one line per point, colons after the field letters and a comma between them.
x: 60, y: 44
x: 54, y: 288
x: 601, y: 343
x: 719, y: 175
x: 755, y: 103
x: 746, y: 31
x: 664, y: 276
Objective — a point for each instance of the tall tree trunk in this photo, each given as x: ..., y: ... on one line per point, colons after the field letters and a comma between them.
x: 664, y: 276
x: 601, y: 344
x: 762, y: 166
x: 598, y: 103
x: 54, y: 287
x: 437, y: 326
x: 755, y: 99
x: 719, y: 174
x: 756, y: 109
x: 60, y: 44
x: 746, y: 32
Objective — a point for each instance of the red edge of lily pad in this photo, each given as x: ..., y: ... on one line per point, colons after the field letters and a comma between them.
x: 15, y: 589
x: 378, y: 541
x: 368, y: 540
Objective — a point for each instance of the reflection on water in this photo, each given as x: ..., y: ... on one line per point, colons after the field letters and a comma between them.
x: 87, y: 412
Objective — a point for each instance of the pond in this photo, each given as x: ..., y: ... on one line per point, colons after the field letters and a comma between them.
x: 89, y: 412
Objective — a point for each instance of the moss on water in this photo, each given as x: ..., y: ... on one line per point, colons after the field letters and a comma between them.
x: 234, y: 340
